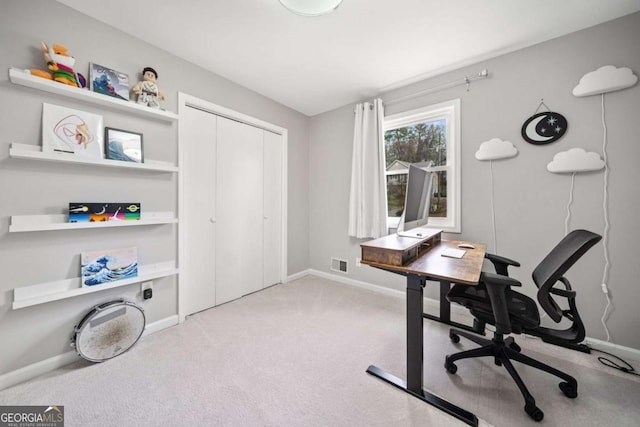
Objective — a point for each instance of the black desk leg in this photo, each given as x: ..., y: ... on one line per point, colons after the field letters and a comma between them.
x: 415, y: 356
x: 445, y: 312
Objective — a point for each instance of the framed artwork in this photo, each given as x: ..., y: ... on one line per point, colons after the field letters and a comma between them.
x: 109, y: 82
x: 123, y: 145
x: 71, y: 131
x: 101, y: 212
x: 108, y: 266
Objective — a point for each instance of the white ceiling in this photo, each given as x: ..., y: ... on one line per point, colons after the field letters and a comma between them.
x: 365, y: 47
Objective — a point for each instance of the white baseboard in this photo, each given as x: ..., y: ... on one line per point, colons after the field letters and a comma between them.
x: 159, y: 325
x: 42, y: 367
x: 460, y: 314
x: 357, y: 283
x: 626, y: 353
x: 431, y: 306
x: 299, y: 275
x: 35, y: 369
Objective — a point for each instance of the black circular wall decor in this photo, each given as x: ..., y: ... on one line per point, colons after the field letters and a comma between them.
x: 544, y: 128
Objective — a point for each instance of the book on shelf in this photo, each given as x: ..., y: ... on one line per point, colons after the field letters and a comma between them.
x: 108, y: 81
x: 101, y: 212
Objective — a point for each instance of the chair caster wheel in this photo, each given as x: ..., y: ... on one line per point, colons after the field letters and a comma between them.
x: 497, y: 361
x: 455, y: 338
x: 514, y: 346
x: 570, y: 391
x: 450, y: 366
x: 534, y: 412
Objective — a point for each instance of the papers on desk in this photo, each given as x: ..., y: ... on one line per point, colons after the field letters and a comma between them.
x: 453, y: 253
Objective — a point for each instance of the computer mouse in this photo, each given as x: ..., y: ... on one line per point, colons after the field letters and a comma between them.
x: 466, y: 246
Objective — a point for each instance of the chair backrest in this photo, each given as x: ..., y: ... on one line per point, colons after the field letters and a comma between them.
x: 556, y: 263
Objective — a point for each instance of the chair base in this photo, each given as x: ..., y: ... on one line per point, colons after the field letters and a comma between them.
x: 577, y: 347
x: 504, y: 351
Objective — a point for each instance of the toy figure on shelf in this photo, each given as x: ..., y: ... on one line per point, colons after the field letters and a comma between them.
x: 61, y: 64
x: 147, y: 90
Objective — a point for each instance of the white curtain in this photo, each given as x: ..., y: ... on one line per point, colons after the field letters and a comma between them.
x: 368, y: 198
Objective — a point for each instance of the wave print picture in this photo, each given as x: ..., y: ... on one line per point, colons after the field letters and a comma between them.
x: 123, y: 145
x: 108, y: 266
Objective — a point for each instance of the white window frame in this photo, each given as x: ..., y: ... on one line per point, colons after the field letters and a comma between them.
x: 449, y: 110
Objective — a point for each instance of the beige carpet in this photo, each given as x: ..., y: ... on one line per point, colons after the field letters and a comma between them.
x: 296, y: 355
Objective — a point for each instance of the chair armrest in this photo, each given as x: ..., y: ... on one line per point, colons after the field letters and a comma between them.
x: 497, y: 285
x: 498, y: 280
x: 501, y: 263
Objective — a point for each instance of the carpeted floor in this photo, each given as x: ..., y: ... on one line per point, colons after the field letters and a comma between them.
x: 296, y: 355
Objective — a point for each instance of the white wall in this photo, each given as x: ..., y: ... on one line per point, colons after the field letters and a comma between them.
x: 530, y: 202
x: 36, y: 333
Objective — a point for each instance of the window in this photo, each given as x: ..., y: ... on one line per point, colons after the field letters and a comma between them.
x: 428, y: 137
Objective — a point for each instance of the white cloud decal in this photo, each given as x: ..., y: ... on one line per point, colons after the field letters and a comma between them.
x: 605, y: 79
x: 575, y: 160
x: 496, y: 149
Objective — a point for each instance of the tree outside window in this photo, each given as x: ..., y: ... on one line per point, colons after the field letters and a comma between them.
x: 424, y: 145
x: 427, y: 138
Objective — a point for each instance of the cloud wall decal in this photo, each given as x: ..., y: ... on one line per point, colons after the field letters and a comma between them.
x: 575, y: 160
x: 496, y: 149
x: 605, y: 79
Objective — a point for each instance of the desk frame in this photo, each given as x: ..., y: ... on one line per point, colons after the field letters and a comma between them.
x: 417, y: 275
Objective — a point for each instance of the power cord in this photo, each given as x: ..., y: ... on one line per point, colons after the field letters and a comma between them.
x: 566, y: 221
x: 624, y: 367
x: 493, y: 212
x: 605, y: 234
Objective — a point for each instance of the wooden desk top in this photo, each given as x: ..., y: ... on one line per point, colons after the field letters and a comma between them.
x: 432, y: 264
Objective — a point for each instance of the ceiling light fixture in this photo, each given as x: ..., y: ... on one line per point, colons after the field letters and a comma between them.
x: 311, y: 7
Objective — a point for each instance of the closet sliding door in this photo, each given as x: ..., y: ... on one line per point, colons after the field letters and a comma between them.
x: 233, y: 176
x: 197, y: 216
x: 239, y: 202
x: 273, y: 168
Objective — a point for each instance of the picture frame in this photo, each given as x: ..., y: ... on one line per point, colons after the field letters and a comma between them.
x: 123, y: 145
x: 107, y: 81
x: 72, y: 131
x: 106, y: 266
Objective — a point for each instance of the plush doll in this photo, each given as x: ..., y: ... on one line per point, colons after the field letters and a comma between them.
x: 147, y: 90
x: 61, y: 64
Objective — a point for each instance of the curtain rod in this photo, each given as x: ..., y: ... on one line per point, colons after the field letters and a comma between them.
x: 466, y: 81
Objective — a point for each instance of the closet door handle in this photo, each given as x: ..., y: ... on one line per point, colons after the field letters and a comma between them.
x: 212, y: 220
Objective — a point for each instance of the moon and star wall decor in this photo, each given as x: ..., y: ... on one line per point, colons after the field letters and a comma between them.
x: 544, y: 128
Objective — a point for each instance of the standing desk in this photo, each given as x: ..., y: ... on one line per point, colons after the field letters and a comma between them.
x: 421, y: 260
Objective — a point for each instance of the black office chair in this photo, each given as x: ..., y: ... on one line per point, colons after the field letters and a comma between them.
x: 493, y: 301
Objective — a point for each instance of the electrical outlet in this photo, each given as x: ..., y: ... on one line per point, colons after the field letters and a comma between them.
x: 147, y: 289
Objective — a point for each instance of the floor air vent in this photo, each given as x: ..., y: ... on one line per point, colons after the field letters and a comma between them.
x: 339, y: 265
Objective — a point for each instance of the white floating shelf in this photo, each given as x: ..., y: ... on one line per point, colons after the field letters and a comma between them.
x: 34, y: 152
x: 22, y: 223
x: 61, y: 289
x: 23, y: 78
